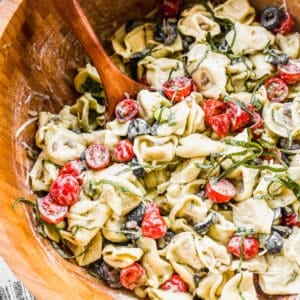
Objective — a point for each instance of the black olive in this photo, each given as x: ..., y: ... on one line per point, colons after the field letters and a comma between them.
x: 222, y: 46
x: 204, y: 226
x: 138, y: 127
x: 137, y: 170
x: 137, y: 214
x: 274, y: 243
x: 284, y: 143
x: 286, y: 211
x: 165, y: 32
x: 277, y: 215
x: 186, y: 42
x: 284, y: 231
x: 276, y: 57
x: 108, y: 274
x: 165, y: 240
x: 270, y: 17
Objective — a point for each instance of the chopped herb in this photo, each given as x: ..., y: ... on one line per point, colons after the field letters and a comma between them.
x: 239, y: 103
x: 64, y: 255
x: 25, y: 201
x: 200, y: 62
x: 172, y: 71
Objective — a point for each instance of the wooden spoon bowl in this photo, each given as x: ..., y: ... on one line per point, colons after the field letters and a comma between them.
x: 39, y: 57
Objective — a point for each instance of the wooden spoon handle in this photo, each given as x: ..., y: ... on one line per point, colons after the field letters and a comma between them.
x: 115, y: 83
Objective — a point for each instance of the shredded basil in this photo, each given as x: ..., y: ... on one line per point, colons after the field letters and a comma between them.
x: 200, y: 62
x: 172, y: 71
x: 64, y: 255
x: 23, y: 200
x: 239, y: 103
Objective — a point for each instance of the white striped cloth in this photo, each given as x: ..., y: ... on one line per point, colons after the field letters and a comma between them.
x: 10, y: 287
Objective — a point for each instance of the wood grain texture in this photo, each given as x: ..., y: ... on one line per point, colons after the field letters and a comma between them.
x: 38, y: 60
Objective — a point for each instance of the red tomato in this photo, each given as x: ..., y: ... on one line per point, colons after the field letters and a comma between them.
x: 74, y: 168
x: 97, y: 156
x: 221, y: 124
x: 169, y: 8
x: 240, y: 118
x: 212, y: 107
x: 257, y: 127
x: 124, y: 151
x: 153, y: 224
x: 177, y: 88
x: 132, y: 276
x: 286, y: 25
x: 221, y: 191
x: 274, y: 155
x: 174, y: 284
x: 277, y: 89
x: 152, y: 208
x: 126, y: 110
x: 65, y: 190
x: 291, y: 220
x: 250, y: 246
x: 290, y: 73
x: 49, y: 211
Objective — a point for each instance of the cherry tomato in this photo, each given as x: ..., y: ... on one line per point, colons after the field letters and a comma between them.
x: 220, y: 191
x: 169, y: 8
x: 240, y: 118
x: 221, y: 124
x: 97, y: 156
x: 177, y: 88
x: 250, y: 246
x: 272, y: 154
x: 152, y: 208
x: 286, y: 25
x: 291, y: 220
x: 124, y: 151
x: 290, y: 73
x: 126, y: 110
x: 65, y: 190
x: 74, y: 168
x: 153, y: 224
x: 49, y: 211
x: 257, y: 127
x: 277, y: 89
x: 212, y: 107
x: 132, y: 276
x: 174, y: 284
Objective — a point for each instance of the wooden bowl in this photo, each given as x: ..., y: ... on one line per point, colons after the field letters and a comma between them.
x: 38, y: 60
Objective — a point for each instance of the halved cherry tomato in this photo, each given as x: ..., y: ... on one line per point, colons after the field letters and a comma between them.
x: 123, y: 151
x: 220, y: 191
x: 286, y: 25
x: 126, y: 110
x: 240, y: 118
x: 257, y: 127
x: 213, y: 107
x: 65, y: 190
x: 277, y: 89
x: 49, y: 211
x: 291, y: 220
x: 97, y: 156
x: 250, y: 246
x: 152, y: 208
x: 132, y: 276
x: 176, y: 89
x: 153, y: 224
x: 169, y: 8
x: 175, y: 284
x: 290, y: 73
x: 74, y: 168
x: 221, y: 124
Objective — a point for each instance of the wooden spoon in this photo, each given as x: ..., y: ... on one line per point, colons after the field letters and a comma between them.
x: 116, y: 84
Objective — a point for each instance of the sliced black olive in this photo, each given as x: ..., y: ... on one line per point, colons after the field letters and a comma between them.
x: 277, y: 215
x: 222, y: 46
x: 108, y: 274
x: 286, y: 211
x: 270, y: 17
x: 186, y: 42
x: 284, y: 143
x: 165, y: 32
x: 137, y: 170
x: 284, y: 231
x: 204, y: 226
x: 276, y: 57
x: 165, y: 240
x: 137, y: 214
x: 138, y: 127
x: 274, y: 243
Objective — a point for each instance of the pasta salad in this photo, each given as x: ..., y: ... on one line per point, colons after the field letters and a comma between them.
x: 192, y: 191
